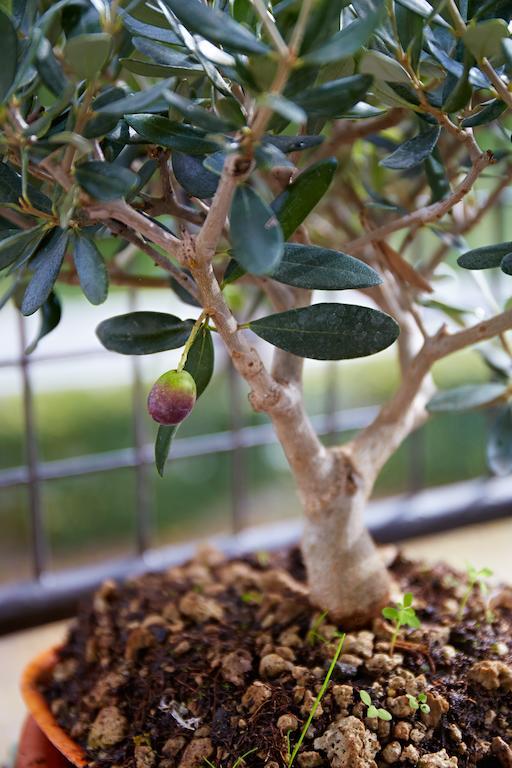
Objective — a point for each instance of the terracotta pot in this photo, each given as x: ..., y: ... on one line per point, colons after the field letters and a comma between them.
x: 42, y: 727
x: 35, y: 751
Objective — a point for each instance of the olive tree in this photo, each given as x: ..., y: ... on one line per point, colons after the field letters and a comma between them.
x: 203, y: 135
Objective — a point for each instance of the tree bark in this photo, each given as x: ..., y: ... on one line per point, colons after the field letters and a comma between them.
x: 347, y: 576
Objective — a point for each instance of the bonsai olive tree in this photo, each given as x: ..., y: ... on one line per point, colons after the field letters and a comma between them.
x: 203, y: 134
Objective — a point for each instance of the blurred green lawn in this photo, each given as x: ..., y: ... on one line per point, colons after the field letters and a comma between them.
x: 93, y: 516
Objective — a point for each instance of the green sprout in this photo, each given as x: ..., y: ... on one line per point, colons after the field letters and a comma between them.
x: 313, y: 634
x: 403, y: 614
x: 418, y: 702
x: 372, y: 710
x: 474, y: 577
x: 316, y: 702
x: 237, y: 762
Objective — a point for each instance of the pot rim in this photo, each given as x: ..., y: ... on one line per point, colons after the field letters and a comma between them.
x: 38, y: 707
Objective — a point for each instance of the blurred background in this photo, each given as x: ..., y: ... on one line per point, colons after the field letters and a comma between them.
x: 80, y: 498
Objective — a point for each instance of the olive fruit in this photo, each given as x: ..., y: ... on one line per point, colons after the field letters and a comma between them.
x: 172, y: 397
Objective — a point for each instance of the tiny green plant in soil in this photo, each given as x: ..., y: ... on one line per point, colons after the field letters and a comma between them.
x: 372, y: 710
x: 319, y: 697
x: 402, y: 614
x: 418, y: 702
x: 475, y: 577
x: 238, y: 762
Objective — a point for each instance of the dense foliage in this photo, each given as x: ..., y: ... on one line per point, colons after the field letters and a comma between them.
x: 206, y: 133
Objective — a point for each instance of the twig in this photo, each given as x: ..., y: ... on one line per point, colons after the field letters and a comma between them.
x: 428, y: 214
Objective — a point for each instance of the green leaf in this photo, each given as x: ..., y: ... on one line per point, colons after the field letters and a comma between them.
x: 372, y: 711
x: 50, y: 70
x: 383, y: 714
x: 390, y: 613
x: 414, y: 151
x: 195, y: 179
x: 506, y: 264
x: 365, y: 698
x: 177, y: 61
x: 301, y: 196
x: 309, y: 266
x: 167, y: 133
x: 383, y: 67
x: 87, y: 54
x: 499, y: 446
x: 215, y: 26
x: 484, y: 38
x: 135, y: 102
x: 45, y: 267
x: 105, y: 181
x: 284, y: 107
x: 203, y: 118
x: 164, y: 438
x: 466, y: 397
x: 51, y: 312
x: 8, y: 55
x: 151, y: 31
x: 437, y: 176
x: 200, y: 359
x: 334, y: 98
x: 91, y: 269
x: 328, y: 331
x: 16, y: 244
x: 408, y: 600
x: 487, y: 257
x: 348, y: 41
x: 256, y: 237
x: 425, y: 10
x: 490, y: 111
x: 143, y: 333
x: 293, y: 143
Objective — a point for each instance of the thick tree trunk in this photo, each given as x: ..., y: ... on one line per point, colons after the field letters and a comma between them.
x: 346, y: 574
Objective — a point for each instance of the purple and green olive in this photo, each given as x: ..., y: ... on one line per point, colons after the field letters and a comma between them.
x: 172, y: 397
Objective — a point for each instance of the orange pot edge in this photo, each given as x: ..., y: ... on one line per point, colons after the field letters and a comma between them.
x: 40, y: 711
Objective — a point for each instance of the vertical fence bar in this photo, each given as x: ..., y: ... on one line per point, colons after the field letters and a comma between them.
x: 39, y: 548
x: 142, y: 479
x: 331, y: 398
x: 238, y: 455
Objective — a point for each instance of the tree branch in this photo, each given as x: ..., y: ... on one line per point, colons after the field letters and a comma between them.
x: 406, y: 410
x: 428, y: 214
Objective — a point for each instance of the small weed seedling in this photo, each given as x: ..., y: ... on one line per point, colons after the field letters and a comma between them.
x: 474, y: 577
x: 316, y: 702
x: 314, y: 634
x: 403, y: 614
x: 372, y: 710
x: 238, y: 762
x: 418, y: 702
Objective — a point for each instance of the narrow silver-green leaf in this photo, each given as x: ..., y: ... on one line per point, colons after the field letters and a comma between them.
x: 486, y: 257
x: 143, y: 333
x: 334, y: 98
x: 328, y: 331
x: 310, y: 266
x: 499, y: 446
x: 46, y: 266
x: 105, y: 181
x: 414, y: 151
x: 216, y: 26
x: 91, y: 269
x: 167, y: 133
x: 164, y: 438
x: 8, y: 55
x: 256, y: 237
x: 51, y: 312
x: 348, y: 41
x: 466, y: 397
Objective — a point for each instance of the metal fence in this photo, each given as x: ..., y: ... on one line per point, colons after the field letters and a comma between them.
x: 49, y: 595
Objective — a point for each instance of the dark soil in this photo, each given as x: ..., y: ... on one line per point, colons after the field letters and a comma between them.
x: 217, y: 659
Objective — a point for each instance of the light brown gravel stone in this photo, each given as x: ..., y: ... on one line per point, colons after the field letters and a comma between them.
x: 109, y: 728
